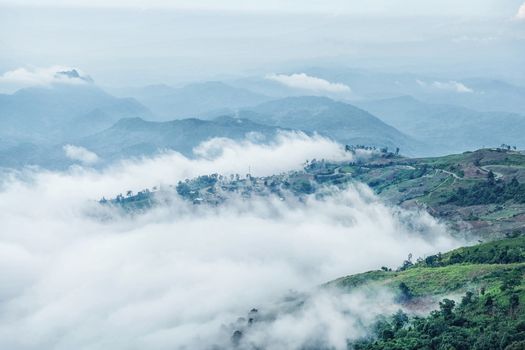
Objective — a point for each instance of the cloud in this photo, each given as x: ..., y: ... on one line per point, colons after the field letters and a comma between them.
x: 76, y: 275
x: 451, y: 85
x: 521, y: 12
x: 325, y: 317
x: 81, y: 154
x: 288, y: 151
x: 306, y: 82
x: 24, y: 77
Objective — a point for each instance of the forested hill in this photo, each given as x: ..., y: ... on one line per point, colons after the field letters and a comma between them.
x: 477, y: 294
x: 489, y: 315
x: 479, y: 193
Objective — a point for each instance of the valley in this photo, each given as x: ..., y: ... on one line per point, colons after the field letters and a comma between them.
x: 262, y: 175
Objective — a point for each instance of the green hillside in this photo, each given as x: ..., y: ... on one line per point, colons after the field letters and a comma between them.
x: 489, y: 315
x: 479, y: 194
x: 463, y: 269
x: 468, y: 298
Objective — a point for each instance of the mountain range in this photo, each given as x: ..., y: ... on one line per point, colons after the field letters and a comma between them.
x: 137, y: 137
x: 337, y: 120
x: 477, y: 93
x: 449, y: 128
x: 36, y: 122
x: 193, y: 100
x: 62, y: 112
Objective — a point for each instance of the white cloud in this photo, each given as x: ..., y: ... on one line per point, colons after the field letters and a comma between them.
x: 81, y: 154
x: 306, y: 82
x: 326, y: 317
x: 24, y: 77
x: 79, y: 276
x: 421, y: 83
x: 288, y: 151
x: 521, y: 12
x: 451, y: 85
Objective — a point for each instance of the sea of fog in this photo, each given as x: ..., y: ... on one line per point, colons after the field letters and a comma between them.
x: 73, y: 276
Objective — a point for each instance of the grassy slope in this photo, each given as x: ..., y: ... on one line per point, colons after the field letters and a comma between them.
x: 490, y: 320
x: 477, y: 270
x: 421, y: 182
x: 429, y: 182
x: 436, y: 281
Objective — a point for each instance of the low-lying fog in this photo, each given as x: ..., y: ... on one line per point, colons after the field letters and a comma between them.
x: 172, y: 277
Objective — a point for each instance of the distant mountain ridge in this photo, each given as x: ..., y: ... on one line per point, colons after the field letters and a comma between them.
x: 137, y: 137
x: 449, y: 128
x: 477, y: 93
x: 339, y: 121
x: 59, y: 112
x: 194, y: 100
x: 36, y: 122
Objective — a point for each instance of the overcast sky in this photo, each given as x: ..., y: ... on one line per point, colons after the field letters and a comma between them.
x: 388, y: 7
x: 140, y: 42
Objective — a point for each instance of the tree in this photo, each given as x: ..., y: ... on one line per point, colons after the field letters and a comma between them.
x: 489, y: 303
x: 467, y: 299
x: 514, y: 303
x: 447, y: 306
x: 491, y: 178
x: 407, y: 263
x: 399, y: 320
x: 519, y: 345
x: 511, y: 280
x: 405, y: 292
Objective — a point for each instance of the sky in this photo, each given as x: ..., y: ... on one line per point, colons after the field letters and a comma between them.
x: 123, y: 43
x: 393, y: 8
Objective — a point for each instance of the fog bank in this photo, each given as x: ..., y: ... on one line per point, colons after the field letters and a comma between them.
x: 172, y: 277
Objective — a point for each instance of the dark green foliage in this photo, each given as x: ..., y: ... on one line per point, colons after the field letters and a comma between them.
x: 189, y: 189
x: 446, y: 306
x: 479, y: 322
x: 434, y: 260
x: 512, y: 280
x: 303, y: 186
x: 405, y: 294
x: 505, y: 251
x: 407, y: 263
x: 491, y: 191
x: 489, y: 316
x: 467, y: 299
x: 399, y: 320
